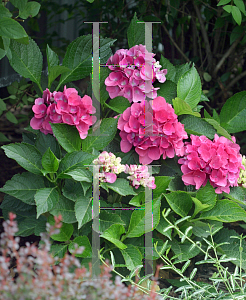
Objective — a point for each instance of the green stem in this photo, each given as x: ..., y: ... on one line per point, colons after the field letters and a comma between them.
x: 208, y: 255
x: 240, y: 266
x: 50, y: 179
x: 143, y: 289
x: 57, y: 88
x: 218, y: 266
x: 39, y: 87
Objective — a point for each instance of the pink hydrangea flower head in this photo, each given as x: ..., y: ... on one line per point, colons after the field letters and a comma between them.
x: 134, y: 72
x: 63, y: 107
x: 139, y: 175
x: 218, y: 161
x: 153, y: 129
x: 109, y: 166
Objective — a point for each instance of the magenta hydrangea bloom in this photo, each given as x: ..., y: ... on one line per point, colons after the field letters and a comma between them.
x: 134, y: 71
x: 63, y: 107
x: 218, y: 161
x: 153, y: 129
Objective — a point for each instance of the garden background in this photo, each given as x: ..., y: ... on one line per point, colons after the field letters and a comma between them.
x: 209, y: 35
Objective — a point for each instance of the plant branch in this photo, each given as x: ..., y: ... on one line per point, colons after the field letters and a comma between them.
x: 175, y: 45
x: 205, y: 37
x: 235, y: 80
x: 228, y: 52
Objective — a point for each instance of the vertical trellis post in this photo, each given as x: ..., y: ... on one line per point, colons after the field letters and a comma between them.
x: 96, y: 192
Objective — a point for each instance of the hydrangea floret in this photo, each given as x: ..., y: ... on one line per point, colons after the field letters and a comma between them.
x: 110, y: 165
x: 63, y: 107
x: 133, y: 72
x: 139, y: 175
x: 153, y: 129
x: 218, y: 161
x: 242, y: 174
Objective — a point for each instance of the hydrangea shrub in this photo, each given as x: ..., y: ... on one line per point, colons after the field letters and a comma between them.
x: 151, y: 138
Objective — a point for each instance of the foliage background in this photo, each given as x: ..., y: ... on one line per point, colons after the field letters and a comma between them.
x: 190, y: 31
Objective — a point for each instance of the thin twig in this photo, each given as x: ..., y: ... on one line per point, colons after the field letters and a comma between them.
x: 174, y: 43
x: 205, y: 37
x: 228, y: 52
x: 217, y: 34
x: 235, y: 80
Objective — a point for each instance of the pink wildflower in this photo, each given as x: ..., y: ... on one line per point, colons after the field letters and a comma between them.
x: 218, y: 161
x: 153, y: 129
x: 134, y: 71
x: 63, y: 107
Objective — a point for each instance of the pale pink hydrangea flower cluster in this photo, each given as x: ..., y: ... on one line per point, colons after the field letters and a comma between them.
x: 134, y: 71
x: 218, y: 161
x: 63, y: 107
x: 242, y: 174
x: 162, y: 135
x: 109, y: 166
x: 139, y: 175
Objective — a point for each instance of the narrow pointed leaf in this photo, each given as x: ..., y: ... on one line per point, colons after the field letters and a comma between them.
x: 132, y: 257
x: 167, y: 90
x: 197, y: 126
x: 45, y: 141
x: 31, y: 10
x: 49, y: 161
x: 23, y: 186
x: 220, y: 130
x: 122, y: 187
x: 180, y: 202
x: 80, y: 174
x: 26, y: 60
x: 119, y: 104
x: 26, y: 155
x: 58, y: 250
x: 113, y: 234
x: 225, y: 211
x: 11, y: 29
x: 67, y: 136
x: 232, y: 115
x: 65, y: 233
x: 81, y: 241
x: 136, y: 32
x: 83, y: 210
x: 137, y: 223
x: 78, y: 58
x: 65, y: 207
x: 102, y: 136
x: 52, y: 58
x: 74, y: 160
x: 189, y: 87
x: 46, y: 199
x: 183, y: 108
x: 107, y: 219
